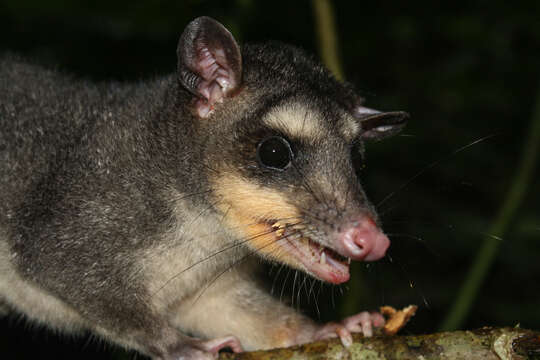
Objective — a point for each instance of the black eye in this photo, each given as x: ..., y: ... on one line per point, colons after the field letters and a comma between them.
x: 274, y: 152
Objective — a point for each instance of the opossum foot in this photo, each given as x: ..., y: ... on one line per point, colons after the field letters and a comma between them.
x: 205, y: 349
x: 360, y: 323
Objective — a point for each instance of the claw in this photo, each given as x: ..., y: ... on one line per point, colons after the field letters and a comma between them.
x: 345, y: 337
x: 360, y: 323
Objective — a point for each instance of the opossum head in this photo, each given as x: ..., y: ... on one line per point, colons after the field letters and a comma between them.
x: 283, y: 141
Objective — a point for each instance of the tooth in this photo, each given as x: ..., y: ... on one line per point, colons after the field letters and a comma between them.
x: 277, y: 224
x: 349, y: 261
x: 323, y: 258
x: 280, y: 232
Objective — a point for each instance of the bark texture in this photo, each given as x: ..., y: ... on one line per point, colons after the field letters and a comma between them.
x: 484, y: 343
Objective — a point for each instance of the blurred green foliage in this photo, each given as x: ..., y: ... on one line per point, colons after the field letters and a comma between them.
x: 464, y: 71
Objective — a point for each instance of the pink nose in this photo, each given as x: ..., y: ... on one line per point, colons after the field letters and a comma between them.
x: 362, y: 240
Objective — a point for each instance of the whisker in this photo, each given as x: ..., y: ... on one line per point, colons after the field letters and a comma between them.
x: 275, y: 278
x: 242, y: 259
x: 412, y: 285
x: 304, y: 286
x: 308, y: 212
x: 233, y: 246
x: 433, y: 164
x: 409, y: 236
x: 418, y: 239
x: 313, y: 281
x: 136, y: 273
x: 284, y: 282
x: 293, y: 286
x: 317, y: 297
x: 306, y: 185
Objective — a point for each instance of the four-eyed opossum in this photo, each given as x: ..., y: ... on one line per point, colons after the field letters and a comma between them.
x: 133, y: 210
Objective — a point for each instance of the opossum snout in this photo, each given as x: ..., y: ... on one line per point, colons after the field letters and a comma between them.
x: 362, y: 240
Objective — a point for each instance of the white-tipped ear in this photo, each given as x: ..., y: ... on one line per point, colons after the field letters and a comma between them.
x: 209, y: 63
x: 362, y: 111
x: 377, y: 125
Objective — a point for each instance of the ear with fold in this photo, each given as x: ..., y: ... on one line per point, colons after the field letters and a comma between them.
x: 377, y: 125
x: 209, y: 63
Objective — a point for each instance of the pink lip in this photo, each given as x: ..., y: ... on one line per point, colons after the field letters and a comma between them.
x: 362, y: 240
x: 331, y: 270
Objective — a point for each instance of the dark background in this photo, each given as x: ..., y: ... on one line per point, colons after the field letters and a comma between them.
x: 465, y: 71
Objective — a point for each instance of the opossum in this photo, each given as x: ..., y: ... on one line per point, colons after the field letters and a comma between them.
x: 133, y: 210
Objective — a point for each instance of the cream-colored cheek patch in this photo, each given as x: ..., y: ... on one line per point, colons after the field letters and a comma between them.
x: 248, y: 208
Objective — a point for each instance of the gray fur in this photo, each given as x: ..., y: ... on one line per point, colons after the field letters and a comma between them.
x: 106, y: 197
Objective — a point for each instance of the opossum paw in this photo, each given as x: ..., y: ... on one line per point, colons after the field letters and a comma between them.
x: 205, y: 350
x: 362, y: 323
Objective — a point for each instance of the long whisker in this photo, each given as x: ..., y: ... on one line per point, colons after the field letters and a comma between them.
x: 310, y: 213
x: 281, y: 266
x: 284, y: 282
x: 306, y: 185
x: 235, y: 245
x: 293, y: 286
x: 412, y: 285
x: 410, y: 236
x: 242, y: 259
x: 302, y: 285
x: 197, y: 216
x: 433, y: 164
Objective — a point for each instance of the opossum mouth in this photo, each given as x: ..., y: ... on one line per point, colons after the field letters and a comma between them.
x: 321, y: 261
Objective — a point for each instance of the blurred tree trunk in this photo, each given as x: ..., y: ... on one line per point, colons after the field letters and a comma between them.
x: 325, y: 26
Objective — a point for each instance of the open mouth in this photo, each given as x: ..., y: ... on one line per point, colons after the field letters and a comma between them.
x: 317, y: 259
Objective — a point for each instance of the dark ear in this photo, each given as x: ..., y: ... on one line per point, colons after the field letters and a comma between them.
x: 377, y: 125
x: 209, y: 63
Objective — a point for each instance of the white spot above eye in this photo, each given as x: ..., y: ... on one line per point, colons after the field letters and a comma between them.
x: 295, y: 120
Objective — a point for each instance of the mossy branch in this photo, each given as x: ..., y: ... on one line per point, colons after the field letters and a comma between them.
x: 485, y: 344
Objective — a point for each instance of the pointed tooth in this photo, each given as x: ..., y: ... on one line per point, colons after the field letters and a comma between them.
x: 280, y: 232
x: 349, y: 261
x: 323, y: 258
x: 277, y: 224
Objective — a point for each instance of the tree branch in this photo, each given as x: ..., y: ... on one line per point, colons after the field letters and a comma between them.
x: 485, y: 344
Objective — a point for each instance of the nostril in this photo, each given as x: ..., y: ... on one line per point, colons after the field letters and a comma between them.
x: 362, y: 240
x: 350, y: 243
